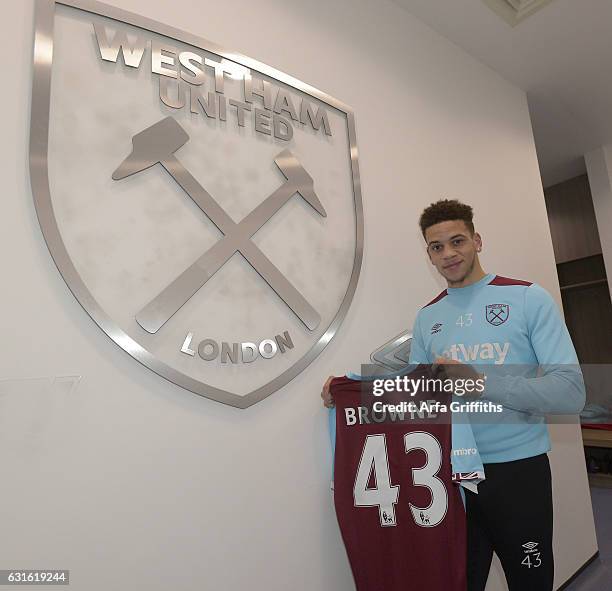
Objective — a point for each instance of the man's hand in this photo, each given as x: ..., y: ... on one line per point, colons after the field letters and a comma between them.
x: 328, y: 400
x: 450, y: 369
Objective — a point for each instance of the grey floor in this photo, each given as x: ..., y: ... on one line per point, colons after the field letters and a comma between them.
x: 598, y: 575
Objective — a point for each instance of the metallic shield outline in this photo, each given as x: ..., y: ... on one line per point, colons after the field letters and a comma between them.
x: 39, y: 177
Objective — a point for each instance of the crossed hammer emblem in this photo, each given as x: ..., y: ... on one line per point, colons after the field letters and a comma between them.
x: 497, y: 314
x: 156, y: 145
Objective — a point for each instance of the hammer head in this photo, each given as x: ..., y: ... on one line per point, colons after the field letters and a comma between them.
x: 152, y: 145
x: 296, y: 175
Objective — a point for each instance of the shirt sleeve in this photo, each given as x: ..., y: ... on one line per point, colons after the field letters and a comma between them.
x: 332, y: 429
x: 331, y: 423
x: 559, y: 387
x: 466, y: 463
x: 418, y: 354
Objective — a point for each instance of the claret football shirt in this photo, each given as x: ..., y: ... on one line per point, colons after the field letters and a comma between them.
x: 401, y: 515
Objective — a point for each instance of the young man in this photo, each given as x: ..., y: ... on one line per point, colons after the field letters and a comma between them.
x: 494, y: 322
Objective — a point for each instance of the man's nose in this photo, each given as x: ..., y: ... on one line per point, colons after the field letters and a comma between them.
x: 448, y: 252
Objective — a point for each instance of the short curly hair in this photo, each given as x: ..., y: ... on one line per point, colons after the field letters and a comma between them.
x: 446, y: 210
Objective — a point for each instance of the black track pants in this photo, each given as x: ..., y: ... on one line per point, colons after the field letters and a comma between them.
x: 512, y: 515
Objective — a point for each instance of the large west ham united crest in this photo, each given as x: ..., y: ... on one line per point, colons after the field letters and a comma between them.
x: 203, y: 208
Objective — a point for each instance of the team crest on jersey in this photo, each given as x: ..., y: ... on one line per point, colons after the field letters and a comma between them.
x: 497, y: 314
x: 436, y: 328
x: 194, y: 200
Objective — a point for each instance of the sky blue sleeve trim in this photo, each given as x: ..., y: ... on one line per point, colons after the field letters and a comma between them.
x: 354, y: 376
x: 389, y: 376
x: 332, y: 435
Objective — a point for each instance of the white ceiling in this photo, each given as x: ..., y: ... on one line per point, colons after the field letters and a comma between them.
x: 561, y: 56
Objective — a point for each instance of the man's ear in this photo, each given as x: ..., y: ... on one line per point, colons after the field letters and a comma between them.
x: 478, y: 241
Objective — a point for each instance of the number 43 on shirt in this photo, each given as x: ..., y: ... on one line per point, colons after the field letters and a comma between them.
x: 384, y: 495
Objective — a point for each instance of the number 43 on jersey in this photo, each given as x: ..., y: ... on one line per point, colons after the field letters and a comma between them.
x: 384, y: 495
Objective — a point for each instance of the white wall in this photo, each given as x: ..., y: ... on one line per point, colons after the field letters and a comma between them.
x: 129, y: 478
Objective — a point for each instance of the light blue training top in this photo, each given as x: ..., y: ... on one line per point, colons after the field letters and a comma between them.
x: 510, y: 326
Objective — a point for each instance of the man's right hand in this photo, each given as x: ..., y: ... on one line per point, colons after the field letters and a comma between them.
x: 328, y: 399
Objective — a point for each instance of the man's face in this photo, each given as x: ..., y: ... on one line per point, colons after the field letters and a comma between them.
x: 452, y: 249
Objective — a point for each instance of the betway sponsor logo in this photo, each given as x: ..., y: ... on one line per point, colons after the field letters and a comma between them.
x: 478, y: 352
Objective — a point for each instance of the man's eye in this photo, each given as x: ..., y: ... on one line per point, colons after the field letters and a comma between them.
x: 458, y: 242
x: 435, y: 247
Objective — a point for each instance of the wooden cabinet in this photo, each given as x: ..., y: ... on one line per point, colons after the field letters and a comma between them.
x: 571, y: 216
x: 581, y: 270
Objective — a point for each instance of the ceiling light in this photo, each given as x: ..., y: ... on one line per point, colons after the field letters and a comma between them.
x: 514, y: 11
